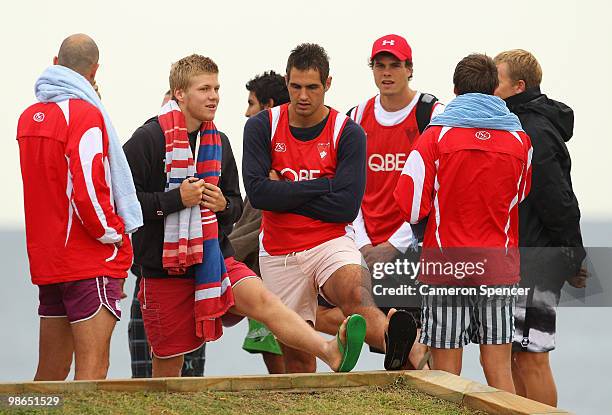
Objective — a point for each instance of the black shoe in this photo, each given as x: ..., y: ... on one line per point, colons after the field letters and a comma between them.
x: 399, y: 339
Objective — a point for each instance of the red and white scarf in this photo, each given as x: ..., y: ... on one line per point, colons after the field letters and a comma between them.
x: 191, y: 234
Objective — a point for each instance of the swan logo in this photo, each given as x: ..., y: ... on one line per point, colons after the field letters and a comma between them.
x: 483, y: 135
x: 39, y: 117
x: 323, y: 149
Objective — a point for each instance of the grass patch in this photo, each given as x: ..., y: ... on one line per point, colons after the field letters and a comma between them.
x: 393, y: 399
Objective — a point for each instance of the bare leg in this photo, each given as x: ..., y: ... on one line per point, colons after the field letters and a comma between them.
x: 328, y: 320
x: 496, y: 362
x: 350, y: 288
x: 297, y: 361
x: 516, y: 377
x: 167, y: 368
x: 298, y: 339
x: 536, y: 376
x: 274, y: 363
x: 55, y: 349
x: 417, y: 354
x: 92, y: 345
x: 448, y: 360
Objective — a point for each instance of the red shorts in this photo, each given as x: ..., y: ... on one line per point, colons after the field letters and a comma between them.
x: 168, y: 313
x: 80, y: 300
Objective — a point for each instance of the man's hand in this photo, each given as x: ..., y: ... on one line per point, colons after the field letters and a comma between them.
x: 191, y: 191
x: 580, y: 280
x: 274, y: 176
x: 213, y: 198
x: 384, y: 252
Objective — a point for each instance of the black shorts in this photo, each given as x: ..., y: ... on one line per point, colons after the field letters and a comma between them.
x: 535, y: 319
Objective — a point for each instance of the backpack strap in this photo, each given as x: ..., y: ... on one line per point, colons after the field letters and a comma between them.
x: 424, y: 109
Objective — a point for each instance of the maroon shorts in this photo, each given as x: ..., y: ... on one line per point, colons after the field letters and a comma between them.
x: 80, y: 300
x: 168, y: 312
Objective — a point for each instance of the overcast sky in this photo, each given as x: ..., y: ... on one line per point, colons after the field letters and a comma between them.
x: 139, y: 40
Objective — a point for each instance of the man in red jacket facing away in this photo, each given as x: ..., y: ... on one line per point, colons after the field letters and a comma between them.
x: 468, y: 173
x: 78, y: 250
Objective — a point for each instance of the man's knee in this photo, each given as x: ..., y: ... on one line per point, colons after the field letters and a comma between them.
x: 350, y: 285
x: 167, y: 367
x: 495, y: 357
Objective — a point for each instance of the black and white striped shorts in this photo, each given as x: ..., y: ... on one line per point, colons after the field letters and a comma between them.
x: 453, y: 321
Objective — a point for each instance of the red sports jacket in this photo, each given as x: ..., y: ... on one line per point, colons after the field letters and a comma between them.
x: 470, y: 182
x: 71, y: 223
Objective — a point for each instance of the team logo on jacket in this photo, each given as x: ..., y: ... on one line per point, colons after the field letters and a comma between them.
x: 39, y: 117
x: 482, y: 135
x: 280, y: 147
x: 323, y: 149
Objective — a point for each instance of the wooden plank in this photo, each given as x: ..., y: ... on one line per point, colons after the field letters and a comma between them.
x: 443, y: 385
x: 269, y: 382
x: 333, y: 380
x: 60, y: 386
x: 374, y: 378
x: 505, y: 403
x: 196, y: 384
x: 133, y: 385
x: 10, y: 388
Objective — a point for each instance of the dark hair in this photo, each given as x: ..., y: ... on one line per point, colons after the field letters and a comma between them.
x: 407, y: 62
x: 475, y: 73
x: 309, y: 56
x: 269, y: 86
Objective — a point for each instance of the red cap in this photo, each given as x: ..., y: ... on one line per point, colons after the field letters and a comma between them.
x: 395, y: 45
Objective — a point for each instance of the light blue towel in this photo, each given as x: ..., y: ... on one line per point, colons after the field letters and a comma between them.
x: 58, y: 83
x: 478, y: 111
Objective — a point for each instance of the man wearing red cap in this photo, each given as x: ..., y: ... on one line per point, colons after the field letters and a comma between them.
x: 393, y: 121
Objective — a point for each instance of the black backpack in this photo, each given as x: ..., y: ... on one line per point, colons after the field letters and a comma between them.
x: 423, y: 111
x: 423, y: 116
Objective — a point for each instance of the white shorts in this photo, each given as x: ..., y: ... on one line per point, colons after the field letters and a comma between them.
x: 298, y: 277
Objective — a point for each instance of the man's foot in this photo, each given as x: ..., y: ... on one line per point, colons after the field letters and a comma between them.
x: 423, y: 358
x: 399, y: 338
x: 344, y: 350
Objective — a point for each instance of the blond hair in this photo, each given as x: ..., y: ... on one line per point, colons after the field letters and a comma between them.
x: 521, y: 65
x: 182, y: 71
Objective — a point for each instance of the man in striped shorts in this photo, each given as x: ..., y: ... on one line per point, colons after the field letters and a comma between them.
x: 468, y: 172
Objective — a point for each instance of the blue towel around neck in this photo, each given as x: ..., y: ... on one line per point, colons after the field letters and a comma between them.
x: 475, y: 110
x: 59, y: 83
